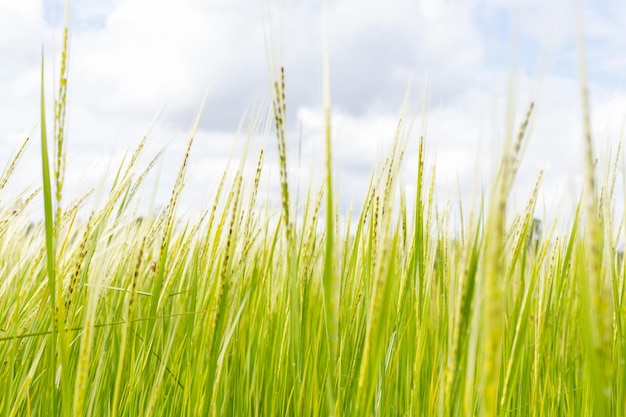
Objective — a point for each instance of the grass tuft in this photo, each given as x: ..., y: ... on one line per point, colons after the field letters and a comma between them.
x: 251, y: 310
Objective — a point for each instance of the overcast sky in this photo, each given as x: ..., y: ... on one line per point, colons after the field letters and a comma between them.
x: 131, y: 58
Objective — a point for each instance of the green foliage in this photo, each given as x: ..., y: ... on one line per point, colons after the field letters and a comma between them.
x: 252, y: 312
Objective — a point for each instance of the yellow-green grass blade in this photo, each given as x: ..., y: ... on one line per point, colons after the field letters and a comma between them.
x: 50, y: 246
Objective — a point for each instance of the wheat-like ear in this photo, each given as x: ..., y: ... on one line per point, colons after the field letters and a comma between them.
x: 493, y: 308
x: 280, y: 112
x: 60, y: 110
x: 10, y: 168
x: 157, y: 285
x: 518, y: 146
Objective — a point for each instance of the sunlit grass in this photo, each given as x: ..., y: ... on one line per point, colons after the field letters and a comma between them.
x: 250, y: 311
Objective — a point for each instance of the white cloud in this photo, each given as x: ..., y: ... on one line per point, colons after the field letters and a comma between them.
x: 131, y: 57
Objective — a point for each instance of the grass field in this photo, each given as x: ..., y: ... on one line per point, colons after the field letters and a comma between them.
x: 251, y: 312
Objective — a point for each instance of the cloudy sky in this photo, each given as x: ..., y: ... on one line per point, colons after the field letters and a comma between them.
x: 131, y: 59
